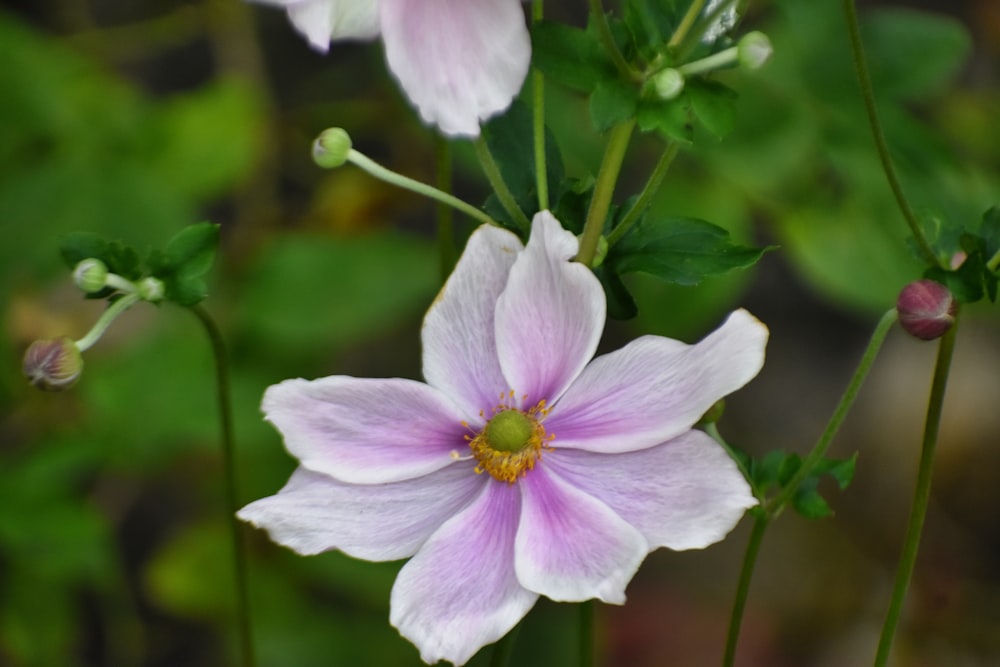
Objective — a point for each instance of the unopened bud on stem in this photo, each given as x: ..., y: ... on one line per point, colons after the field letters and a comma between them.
x: 926, y: 309
x: 90, y: 275
x: 754, y: 50
x: 53, y: 364
x: 331, y: 148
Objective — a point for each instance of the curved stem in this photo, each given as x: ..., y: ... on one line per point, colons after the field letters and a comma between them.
x: 600, y: 202
x: 921, y: 496
x: 760, y: 523
x: 538, y: 120
x: 868, y: 95
x: 495, y: 178
x: 117, y: 307
x: 610, y: 46
x: 445, y: 222
x: 642, y: 202
x: 400, y: 181
x: 232, y: 504
x: 777, y: 503
x: 586, y: 633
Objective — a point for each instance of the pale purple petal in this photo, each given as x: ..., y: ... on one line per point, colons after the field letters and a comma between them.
x: 655, y: 388
x: 323, y: 20
x: 550, y: 317
x: 459, y: 592
x: 459, y: 61
x: 460, y: 354
x: 366, y: 431
x: 571, y: 546
x: 684, y: 494
x: 315, y: 513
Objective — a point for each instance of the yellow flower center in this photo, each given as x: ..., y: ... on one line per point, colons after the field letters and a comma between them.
x: 511, y: 441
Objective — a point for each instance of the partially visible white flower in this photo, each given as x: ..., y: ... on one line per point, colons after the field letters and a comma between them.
x: 724, y: 24
x: 459, y: 61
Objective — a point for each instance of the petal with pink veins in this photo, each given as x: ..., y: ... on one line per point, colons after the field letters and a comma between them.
x: 550, y: 317
x: 460, y: 353
x: 366, y: 431
x: 683, y: 494
x: 459, y: 61
x: 571, y: 546
x: 655, y: 388
x: 459, y: 592
x: 315, y: 513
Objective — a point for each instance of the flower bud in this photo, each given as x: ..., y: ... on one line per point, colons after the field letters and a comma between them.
x: 53, y: 364
x: 90, y: 275
x: 668, y: 83
x: 151, y: 289
x: 753, y: 50
x: 926, y: 309
x: 331, y: 148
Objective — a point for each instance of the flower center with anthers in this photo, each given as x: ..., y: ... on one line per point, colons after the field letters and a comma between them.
x: 512, y: 440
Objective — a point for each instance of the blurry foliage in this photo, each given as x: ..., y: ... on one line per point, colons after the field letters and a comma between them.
x: 112, y: 536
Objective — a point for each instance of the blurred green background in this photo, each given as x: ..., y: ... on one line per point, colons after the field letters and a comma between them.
x: 133, y: 119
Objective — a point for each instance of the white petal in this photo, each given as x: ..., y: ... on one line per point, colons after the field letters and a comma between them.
x: 460, y: 354
x: 655, y: 388
x: 571, y: 546
x: 366, y: 431
x: 684, y: 494
x: 459, y: 593
x: 323, y: 20
x: 459, y: 61
x: 551, y: 315
x: 315, y: 513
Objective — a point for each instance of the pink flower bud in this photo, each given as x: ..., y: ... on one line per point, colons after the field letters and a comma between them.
x: 926, y: 309
x: 53, y: 364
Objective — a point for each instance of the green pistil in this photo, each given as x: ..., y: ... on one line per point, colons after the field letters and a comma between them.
x: 509, y: 431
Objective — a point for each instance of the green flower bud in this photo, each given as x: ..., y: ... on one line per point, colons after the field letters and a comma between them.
x: 668, y: 83
x: 53, y: 364
x: 754, y: 50
x: 150, y: 289
x: 91, y: 275
x: 331, y: 148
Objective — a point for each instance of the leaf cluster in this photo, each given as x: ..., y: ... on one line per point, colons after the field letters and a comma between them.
x: 974, y: 276
x: 771, y: 474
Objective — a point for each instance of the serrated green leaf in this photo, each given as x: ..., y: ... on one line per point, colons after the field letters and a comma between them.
x: 841, y: 470
x: 613, y: 101
x: 78, y: 246
x: 809, y: 503
x: 671, y: 118
x: 680, y: 250
x: 192, y: 251
x: 570, y: 56
x: 989, y: 230
x: 714, y: 104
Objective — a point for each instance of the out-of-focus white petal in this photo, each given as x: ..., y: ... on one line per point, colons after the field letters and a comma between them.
x: 321, y: 21
x: 459, y: 593
x: 551, y: 315
x: 366, y: 431
x: 655, y: 388
x: 315, y: 513
x: 571, y: 546
x: 460, y: 353
x: 684, y: 494
x: 459, y: 61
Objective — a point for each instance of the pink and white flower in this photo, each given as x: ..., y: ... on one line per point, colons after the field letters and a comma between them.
x: 459, y: 61
x: 519, y: 469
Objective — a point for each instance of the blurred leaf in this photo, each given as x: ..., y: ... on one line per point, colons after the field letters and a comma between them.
x: 671, y: 118
x: 187, y: 257
x: 612, y: 102
x: 714, y: 104
x: 570, y: 56
x: 179, y: 575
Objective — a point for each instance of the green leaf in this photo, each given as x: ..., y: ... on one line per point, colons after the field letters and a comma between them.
x: 570, y: 56
x: 118, y: 257
x: 621, y: 305
x: 714, y: 104
x: 192, y: 251
x: 671, y: 118
x: 680, y: 250
x: 612, y: 102
x: 809, y: 503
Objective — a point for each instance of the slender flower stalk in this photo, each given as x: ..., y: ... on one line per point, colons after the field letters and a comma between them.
x: 642, y: 201
x: 445, y: 219
x: 881, y: 146
x: 684, y: 27
x: 538, y: 120
x: 921, y: 497
x: 760, y: 524
x: 493, y: 175
x: 117, y: 307
x: 609, y: 44
x: 600, y: 202
x: 245, y: 628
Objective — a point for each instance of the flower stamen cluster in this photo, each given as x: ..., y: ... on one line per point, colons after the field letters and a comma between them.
x: 512, y: 440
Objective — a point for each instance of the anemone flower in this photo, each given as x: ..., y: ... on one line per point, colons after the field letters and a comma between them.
x: 519, y: 469
x: 459, y: 61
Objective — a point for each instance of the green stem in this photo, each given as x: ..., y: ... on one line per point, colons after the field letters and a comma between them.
x: 400, y: 181
x: 921, y: 497
x: 538, y: 121
x: 868, y: 95
x: 600, y: 202
x: 232, y: 504
x: 117, y: 307
x: 610, y: 46
x: 783, y: 497
x: 445, y: 221
x: 760, y: 523
x: 495, y: 178
x: 642, y: 202
x: 694, y: 10
x: 586, y: 633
